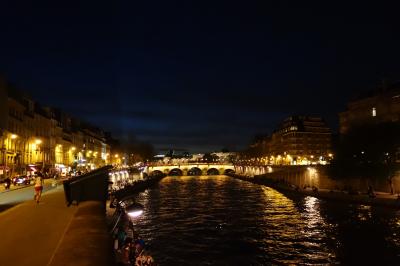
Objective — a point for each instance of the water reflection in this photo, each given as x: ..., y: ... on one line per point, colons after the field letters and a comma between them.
x: 218, y: 220
x: 294, y: 235
x: 364, y: 212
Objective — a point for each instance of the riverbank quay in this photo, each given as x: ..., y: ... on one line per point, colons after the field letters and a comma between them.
x: 15, y: 196
x: 45, y: 234
x: 381, y: 198
x: 51, y: 233
x: 129, y: 248
x: 136, y: 187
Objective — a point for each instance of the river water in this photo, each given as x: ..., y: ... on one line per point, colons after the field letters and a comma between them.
x: 219, y: 220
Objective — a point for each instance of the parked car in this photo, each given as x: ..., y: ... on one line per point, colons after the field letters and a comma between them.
x: 21, y: 180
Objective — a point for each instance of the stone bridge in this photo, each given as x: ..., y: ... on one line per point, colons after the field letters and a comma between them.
x: 190, y: 169
x: 253, y: 170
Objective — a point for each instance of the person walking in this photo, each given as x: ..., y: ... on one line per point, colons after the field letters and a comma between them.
x: 38, y: 187
x: 7, y: 183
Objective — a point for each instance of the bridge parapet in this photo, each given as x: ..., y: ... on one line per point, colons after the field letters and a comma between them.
x: 186, y: 169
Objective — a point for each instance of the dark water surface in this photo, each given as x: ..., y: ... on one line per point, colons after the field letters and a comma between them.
x: 219, y: 220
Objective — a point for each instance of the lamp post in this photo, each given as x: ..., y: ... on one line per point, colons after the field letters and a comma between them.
x: 133, y: 210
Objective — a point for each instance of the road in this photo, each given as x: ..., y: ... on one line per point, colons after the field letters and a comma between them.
x: 20, y: 194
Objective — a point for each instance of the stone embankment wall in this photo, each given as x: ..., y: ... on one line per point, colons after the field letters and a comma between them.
x: 318, y: 176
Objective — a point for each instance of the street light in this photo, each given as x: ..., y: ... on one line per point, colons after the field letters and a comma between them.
x: 134, y: 210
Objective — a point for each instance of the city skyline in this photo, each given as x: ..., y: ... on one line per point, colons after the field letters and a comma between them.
x: 199, y: 133
x: 198, y: 77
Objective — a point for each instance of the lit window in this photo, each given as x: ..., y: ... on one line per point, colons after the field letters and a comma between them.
x: 373, y: 111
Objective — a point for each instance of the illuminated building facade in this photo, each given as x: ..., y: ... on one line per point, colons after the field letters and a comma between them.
x: 298, y: 140
x: 33, y: 138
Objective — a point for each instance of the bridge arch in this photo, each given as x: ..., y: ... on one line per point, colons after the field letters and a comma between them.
x: 213, y: 171
x: 175, y: 172
x: 229, y: 171
x: 156, y: 173
x: 194, y: 171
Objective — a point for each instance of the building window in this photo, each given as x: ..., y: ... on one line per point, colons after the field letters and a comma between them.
x: 373, y: 111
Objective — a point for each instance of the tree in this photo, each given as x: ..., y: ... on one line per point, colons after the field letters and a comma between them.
x: 209, y: 158
x: 368, y: 150
x: 224, y: 150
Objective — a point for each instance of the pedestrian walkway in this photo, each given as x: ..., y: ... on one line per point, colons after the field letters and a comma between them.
x: 31, y: 233
x: 12, y: 187
x: 380, y: 199
x: 15, y: 187
x: 13, y: 197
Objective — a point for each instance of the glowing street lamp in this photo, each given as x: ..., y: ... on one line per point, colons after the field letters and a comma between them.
x: 13, y: 136
x: 134, y: 210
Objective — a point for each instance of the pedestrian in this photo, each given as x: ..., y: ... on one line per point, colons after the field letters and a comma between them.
x: 126, y: 253
x: 390, y: 181
x: 142, y: 257
x: 139, y: 248
x: 129, y: 232
x: 121, y: 236
x: 38, y: 187
x: 7, y: 183
x: 115, y: 237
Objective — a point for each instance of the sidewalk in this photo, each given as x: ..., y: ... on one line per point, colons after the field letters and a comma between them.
x: 382, y: 198
x: 31, y: 233
x: 15, y: 187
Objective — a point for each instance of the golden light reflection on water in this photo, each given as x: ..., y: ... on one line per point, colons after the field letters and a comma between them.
x: 394, y: 238
x: 290, y: 225
x: 312, y: 213
x: 364, y: 212
x: 213, y: 216
x: 279, y: 229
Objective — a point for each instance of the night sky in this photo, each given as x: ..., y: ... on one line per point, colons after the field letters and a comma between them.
x: 198, y: 76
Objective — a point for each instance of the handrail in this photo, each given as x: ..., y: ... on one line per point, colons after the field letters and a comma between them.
x: 81, y: 178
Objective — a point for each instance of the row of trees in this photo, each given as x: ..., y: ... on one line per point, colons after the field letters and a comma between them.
x: 367, y: 151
